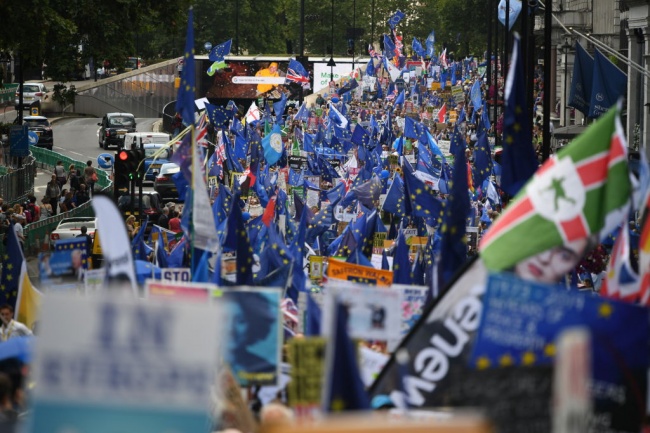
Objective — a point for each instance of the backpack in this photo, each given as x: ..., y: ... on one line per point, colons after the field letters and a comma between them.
x: 28, y: 215
x: 36, y: 211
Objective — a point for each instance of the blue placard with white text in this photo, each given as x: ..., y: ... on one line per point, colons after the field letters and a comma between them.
x: 521, y: 321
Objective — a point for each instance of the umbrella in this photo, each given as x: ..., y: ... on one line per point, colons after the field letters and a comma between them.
x: 17, y: 347
x: 145, y: 269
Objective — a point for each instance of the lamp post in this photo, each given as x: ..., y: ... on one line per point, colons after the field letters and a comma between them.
x: 331, y: 63
x: 564, y: 48
x: 354, y: 30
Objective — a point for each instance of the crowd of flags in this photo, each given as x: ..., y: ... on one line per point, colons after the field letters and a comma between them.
x: 586, y: 186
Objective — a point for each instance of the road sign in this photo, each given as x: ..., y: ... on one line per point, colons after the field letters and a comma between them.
x: 105, y: 160
x: 18, y: 141
x: 33, y: 138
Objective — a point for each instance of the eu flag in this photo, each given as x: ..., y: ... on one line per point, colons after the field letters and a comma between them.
x: 401, y: 263
x: 344, y: 388
x: 453, y: 243
x: 220, y: 51
x: 418, y: 48
x: 482, y: 159
x: 421, y: 200
x: 395, y: 19
x: 518, y: 160
x: 12, y: 262
x: 431, y: 40
x: 394, y: 202
x: 185, y: 99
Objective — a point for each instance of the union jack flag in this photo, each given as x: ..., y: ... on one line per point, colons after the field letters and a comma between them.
x: 373, y: 53
x: 202, y: 131
x: 398, y: 44
x: 296, y: 72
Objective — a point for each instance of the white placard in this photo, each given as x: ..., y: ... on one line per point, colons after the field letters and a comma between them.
x: 176, y: 274
x: 374, y: 312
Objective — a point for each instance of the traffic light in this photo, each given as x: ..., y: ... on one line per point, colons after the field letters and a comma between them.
x: 125, y: 171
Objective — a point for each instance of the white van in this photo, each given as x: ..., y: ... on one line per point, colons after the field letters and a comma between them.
x: 137, y: 140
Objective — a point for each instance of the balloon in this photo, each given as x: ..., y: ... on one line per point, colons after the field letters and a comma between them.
x: 385, y: 174
x: 246, y: 216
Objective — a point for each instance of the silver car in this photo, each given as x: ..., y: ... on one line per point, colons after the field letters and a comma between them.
x: 31, y: 92
x: 71, y: 228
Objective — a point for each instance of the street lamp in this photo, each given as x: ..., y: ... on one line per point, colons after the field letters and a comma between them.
x: 564, y: 49
x: 331, y: 63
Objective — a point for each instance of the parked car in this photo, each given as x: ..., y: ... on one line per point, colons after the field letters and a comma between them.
x: 41, y: 126
x: 31, y: 92
x: 163, y: 183
x: 113, y: 128
x: 71, y: 227
x: 151, y: 205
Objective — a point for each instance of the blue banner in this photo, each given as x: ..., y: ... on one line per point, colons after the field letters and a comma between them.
x: 581, y: 82
x: 609, y: 84
x: 515, y: 9
x: 521, y: 321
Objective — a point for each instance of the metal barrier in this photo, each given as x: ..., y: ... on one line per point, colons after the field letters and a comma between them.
x: 18, y: 182
x: 37, y: 234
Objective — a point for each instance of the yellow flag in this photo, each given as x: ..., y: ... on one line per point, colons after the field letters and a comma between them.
x: 28, y: 302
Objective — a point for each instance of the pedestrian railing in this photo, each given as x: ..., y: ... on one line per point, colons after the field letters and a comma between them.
x: 17, y: 183
x: 37, y: 234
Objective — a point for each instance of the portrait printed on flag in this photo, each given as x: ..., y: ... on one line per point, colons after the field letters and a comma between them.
x: 252, y: 337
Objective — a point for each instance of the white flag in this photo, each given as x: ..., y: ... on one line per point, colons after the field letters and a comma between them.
x: 253, y: 113
x: 205, y: 232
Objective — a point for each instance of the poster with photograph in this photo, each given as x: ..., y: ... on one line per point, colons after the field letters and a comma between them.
x: 253, y: 338
x: 374, y: 313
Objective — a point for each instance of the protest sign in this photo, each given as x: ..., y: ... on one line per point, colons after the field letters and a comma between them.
x: 316, y: 268
x: 176, y: 274
x: 523, y: 319
x: 350, y: 272
x: 252, y: 345
x: 370, y: 364
x: 373, y: 312
x: 307, y: 357
x: 179, y: 291
x: 412, y: 300
x: 123, y: 365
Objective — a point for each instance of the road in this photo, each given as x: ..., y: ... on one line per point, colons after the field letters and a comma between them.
x: 77, y: 137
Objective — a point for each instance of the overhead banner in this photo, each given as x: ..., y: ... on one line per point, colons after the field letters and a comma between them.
x: 323, y: 73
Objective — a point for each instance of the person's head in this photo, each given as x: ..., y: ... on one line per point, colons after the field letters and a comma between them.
x: 84, y: 230
x: 165, y: 210
x: 89, y: 163
x: 59, y: 163
x: 130, y: 219
x: 551, y: 265
x: 276, y: 413
x: 53, y: 178
x: 6, y: 313
x: 71, y: 169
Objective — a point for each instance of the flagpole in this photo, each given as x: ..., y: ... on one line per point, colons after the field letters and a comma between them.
x: 191, y: 220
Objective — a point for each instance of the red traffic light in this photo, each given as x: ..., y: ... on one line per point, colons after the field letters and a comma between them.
x: 123, y: 155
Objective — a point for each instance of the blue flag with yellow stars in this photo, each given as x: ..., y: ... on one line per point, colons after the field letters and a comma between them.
x: 420, y: 197
x: 185, y: 99
x: 12, y: 262
x: 217, y: 114
x: 394, y: 202
x: 140, y: 249
x: 532, y: 315
x: 453, y: 244
x: 401, y: 263
x: 518, y: 160
x: 344, y: 389
x: 482, y: 160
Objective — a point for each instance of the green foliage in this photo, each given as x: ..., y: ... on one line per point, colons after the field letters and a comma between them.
x: 64, y: 95
x: 67, y: 34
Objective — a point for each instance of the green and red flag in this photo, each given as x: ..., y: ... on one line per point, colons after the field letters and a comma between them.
x: 582, y: 191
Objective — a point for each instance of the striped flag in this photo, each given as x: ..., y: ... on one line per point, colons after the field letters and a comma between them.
x: 202, y: 131
x: 582, y: 191
x: 621, y: 282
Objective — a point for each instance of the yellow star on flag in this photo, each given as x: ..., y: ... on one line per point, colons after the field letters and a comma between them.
x: 605, y: 310
x: 528, y: 358
x: 482, y: 363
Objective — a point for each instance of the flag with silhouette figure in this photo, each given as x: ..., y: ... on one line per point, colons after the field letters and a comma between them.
x: 584, y: 190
